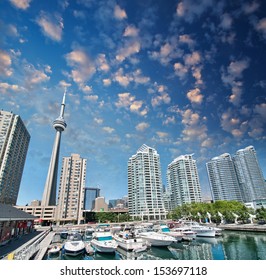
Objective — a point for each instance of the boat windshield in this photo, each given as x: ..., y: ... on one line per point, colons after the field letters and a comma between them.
x: 165, y: 229
x: 105, y: 238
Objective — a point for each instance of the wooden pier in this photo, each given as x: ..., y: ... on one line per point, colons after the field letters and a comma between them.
x: 243, y: 227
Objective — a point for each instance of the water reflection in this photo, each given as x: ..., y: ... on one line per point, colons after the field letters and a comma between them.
x: 230, y: 246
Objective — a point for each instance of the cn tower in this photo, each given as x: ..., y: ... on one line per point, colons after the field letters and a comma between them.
x: 49, y: 194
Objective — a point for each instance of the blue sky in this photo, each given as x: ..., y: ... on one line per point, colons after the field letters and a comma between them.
x: 180, y: 76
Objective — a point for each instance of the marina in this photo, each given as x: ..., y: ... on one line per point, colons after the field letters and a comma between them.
x: 124, y: 242
x: 226, y: 245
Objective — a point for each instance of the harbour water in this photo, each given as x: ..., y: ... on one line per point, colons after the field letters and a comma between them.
x: 232, y: 245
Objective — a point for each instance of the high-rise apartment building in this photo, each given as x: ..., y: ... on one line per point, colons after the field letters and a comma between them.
x: 71, y: 189
x: 14, y: 142
x: 183, y: 181
x: 223, y: 178
x: 89, y: 199
x: 145, y: 185
x: 249, y: 173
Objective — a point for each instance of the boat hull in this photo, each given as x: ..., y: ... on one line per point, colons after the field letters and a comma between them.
x: 103, y: 247
x: 130, y: 244
x: 74, y: 248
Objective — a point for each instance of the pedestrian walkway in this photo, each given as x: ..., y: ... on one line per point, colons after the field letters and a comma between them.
x: 16, y: 243
x: 44, y: 246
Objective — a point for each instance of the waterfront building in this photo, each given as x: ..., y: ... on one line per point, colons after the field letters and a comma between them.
x: 71, y: 189
x: 223, y: 178
x: 249, y: 173
x: 89, y: 199
x: 167, y: 199
x: 112, y: 203
x: 44, y: 214
x: 13, y: 223
x: 183, y: 181
x: 145, y: 185
x: 49, y: 194
x: 14, y: 142
x: 100, y: 205
x: 257, y: 204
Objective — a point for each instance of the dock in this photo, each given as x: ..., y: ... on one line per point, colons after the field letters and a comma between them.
x: 243, y: 227
x: 44, y: 246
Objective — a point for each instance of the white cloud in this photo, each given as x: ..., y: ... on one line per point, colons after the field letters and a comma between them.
x: 35, y: 76
x: 128, y: 101
x: 163, y: 98
x: 102, y: 63
x: 192, y: 59
x: 180, y: 70
x: 107, y: 82
x: 233, y: 76
x: 122, y: 79
x: 161, y: 95
x: 130, y: 48
x: 51, y: 25
x: 250, y: 8
x: 260, y: 109
x: 98, y: 120
x: 232, y: 123
x: 21, y: 4
x: 119, y: 13
x: 131, y: 31
x: 207, y: 143
x: 5, y: 63
x: 261, y: 27
x: 190, y: 9
x: 6, y: 87
x: 83, y: 67
x: 169, y: 120
x: 162, y: 134
x: 195, y: 96
x: 108, y: 129
x: 124, y: 99
x: 226, y: 21
x: 64, y: 84
x: 142, y: 126
x: 194, y: 128
x: 92, y: 98
x: 168, y: 51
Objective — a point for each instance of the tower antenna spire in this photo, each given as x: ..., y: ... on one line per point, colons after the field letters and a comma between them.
x: 63, y: 104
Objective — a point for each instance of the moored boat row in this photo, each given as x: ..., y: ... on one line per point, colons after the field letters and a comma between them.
x: 136, y: 238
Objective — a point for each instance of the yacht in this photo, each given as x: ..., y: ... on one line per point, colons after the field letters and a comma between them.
x: 74, y: 246
x: 129, y: 242
x: 187, y: 232
x: 162, y: 228
x: 155, y: 238
x: 201, y: 231
x: 88, y: 233
x: 103, y: 242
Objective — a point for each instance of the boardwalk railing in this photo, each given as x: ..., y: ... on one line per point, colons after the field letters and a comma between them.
x: 26, y: 251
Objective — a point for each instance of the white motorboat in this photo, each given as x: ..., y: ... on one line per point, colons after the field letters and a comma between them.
x: 155, y: 238
x: 103, y: 242
x: 162, y: 228
x: 88, y: 233
x: 74, y: 246
x: 187, y: 232
x: 54, y: 250
x: 201, y: 231
x: 129, y: 242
